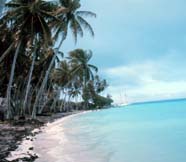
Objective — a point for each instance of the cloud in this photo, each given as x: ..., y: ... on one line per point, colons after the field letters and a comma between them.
x: 139, y: 47
x: 148, y: 80
x: 149, y: 92
x: 128, y: 30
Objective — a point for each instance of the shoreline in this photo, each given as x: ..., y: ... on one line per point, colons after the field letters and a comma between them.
x: 53, y: 136
x: 14, y: 135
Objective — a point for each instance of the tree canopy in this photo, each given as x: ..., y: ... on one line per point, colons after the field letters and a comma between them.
x: 33, y: 73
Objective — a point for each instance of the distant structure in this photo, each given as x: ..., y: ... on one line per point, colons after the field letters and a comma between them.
x: 123, y: 99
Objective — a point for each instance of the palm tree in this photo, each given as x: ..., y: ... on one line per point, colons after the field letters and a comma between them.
x: 28, y: 21
x: 29, y: 79
x: 74, y: 93
x: 79, y: 60
x: 63, y: 78
x: 73, y: 19
x: 62, y: 75
x: 9, y: 110
x: 70, y: 18
x: 99, y: 85
x: 44, y: 83
x: 33, y: 22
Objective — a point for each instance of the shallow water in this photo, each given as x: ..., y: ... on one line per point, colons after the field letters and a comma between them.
x: 154, y: 132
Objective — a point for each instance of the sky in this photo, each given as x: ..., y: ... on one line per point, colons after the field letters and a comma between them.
x: 139, y: 47
x: 1, y: 5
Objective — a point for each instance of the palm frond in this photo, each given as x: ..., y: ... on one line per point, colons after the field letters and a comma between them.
x: 6, y: 52
x: 86, y: 13
x: 12, y: 4
x: 93, y: 67
x: 86, y: 25
x: 73, y: 26
x: 46, y: 31
x: 88, y: 55
x: 79, y: 29
x: 91, y: 75
x: 60, y: 31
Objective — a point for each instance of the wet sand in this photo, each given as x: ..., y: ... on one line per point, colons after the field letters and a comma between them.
x: 50, y: 143
x: 16, y: 138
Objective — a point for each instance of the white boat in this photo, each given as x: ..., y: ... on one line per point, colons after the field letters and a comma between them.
x: 123, y: 99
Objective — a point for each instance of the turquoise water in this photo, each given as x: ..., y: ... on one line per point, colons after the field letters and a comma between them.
x: 154, y: 132
x: 151, y: 132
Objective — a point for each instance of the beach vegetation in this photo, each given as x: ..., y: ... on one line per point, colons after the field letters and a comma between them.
x: 35, y: 75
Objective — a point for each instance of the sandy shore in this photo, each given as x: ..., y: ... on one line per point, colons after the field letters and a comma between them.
x: 16, y: 137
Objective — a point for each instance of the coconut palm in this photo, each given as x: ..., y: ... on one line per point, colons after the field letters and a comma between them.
x: 73, y: 19
x: 81, y: 67
x: 79, y: 60
x: 5, y: 39
x: 33, y: 27
x: 44, y: 83
x: 75, y: 93
x: 99, y: 84
x: 61, y: 78
x: 28, y: 21
x: 62, y: 75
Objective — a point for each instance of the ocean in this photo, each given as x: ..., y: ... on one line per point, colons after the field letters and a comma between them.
x: 148, y: 132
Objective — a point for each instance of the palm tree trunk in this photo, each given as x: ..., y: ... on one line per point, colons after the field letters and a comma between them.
x: 45, y: 101
x: 41, y: 90
x: 9, y: 110
x: 68, y: 102
x: 43, y: 84
x: 76, y: 103
x: 6, y: 52
x: 29, y: 101
x: 29, y: 81
x: 63, y: 102
x: 53, y: 107
x: 56, y: 98
x: 85, y: 83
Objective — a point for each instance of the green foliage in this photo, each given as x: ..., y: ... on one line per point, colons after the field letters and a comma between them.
x: 29, y: 30
x: 100, y: 101
x: 73, y: 19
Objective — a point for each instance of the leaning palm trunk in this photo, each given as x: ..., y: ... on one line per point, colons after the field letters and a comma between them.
x: 29, y: 101
x: 85, y: 87
x: 41, y: 90
x: 9, y: 89
x: 40, y: 111
x: 62, y: 107
x: 35, y: 90
x: 65, y: 103
x: 76, y: 103
x: 53, y: 106
x: 29, y: 81
x: 6, y: 52
x: 69, y: 106
x: 43, y: 84
x: 55, y: 99
x: 46, y: 100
